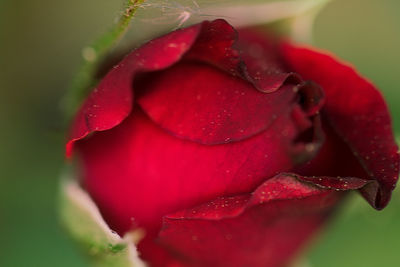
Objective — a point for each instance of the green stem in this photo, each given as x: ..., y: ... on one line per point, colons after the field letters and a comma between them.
x: 93, y: 56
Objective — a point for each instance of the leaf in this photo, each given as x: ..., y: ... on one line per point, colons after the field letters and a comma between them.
x: 81, y: 217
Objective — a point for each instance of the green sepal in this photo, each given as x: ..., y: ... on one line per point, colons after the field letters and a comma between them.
x: 104, y: 247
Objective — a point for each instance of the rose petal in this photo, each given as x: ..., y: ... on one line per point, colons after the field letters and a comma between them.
x: 138, y: 162
x: 359, y: 115
x: 264, y: 228
x: 154, y: 173
x: 112, y: 100
x: 169, y: 174
x: 218, y: 108
x: 333, y: 159
x: 200, y: 103
x: 251, y: 55
x: 263, y: 64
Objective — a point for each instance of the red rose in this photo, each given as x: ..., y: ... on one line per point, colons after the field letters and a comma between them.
x: 230, y: 149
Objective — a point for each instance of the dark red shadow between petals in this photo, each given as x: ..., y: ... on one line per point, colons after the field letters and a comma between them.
x: 214, y: 108
x: 358, y: 113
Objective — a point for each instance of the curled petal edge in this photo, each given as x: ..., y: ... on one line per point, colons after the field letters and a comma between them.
x: 220, y: 232
x: 295, y: 187
x: 83, y: 220
x: 357, y: 112
x: 112, y: 100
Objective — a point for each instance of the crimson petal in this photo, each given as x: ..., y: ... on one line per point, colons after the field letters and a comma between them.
x: 217, y: 107
x: 264, y: 228
x: 203, y: 104
x: 112, y: 100
x: 359, y: 115
x: 248, y: 54
x: 170, y: 174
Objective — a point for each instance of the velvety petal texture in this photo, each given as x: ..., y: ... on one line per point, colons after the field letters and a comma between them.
x: 228, y: 148
x: 112, y: 100
x: 357, y: 112
x: 214, y: 107
x: 261, y: 228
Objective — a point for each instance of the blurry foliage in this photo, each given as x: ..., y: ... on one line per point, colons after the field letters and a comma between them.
x: 40, y: 49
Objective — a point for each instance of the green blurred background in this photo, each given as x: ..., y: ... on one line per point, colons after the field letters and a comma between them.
x: 40, y: 48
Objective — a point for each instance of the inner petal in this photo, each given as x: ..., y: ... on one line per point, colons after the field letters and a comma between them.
x: 198, y: 102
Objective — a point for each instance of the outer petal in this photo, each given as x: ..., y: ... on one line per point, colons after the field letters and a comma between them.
x: 167, y: 174
x: 154, y: 173
x: 138, y: 170
x: 203, y: 104
x: 248, y: 54
x: 264, y: 228
x: 112, y: 100
x: 217, y: 108
x: 359, y: 115
x: 211, y: 42
x: 264, y: 65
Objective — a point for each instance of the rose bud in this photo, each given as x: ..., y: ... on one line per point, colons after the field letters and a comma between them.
x: 230, y: 148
